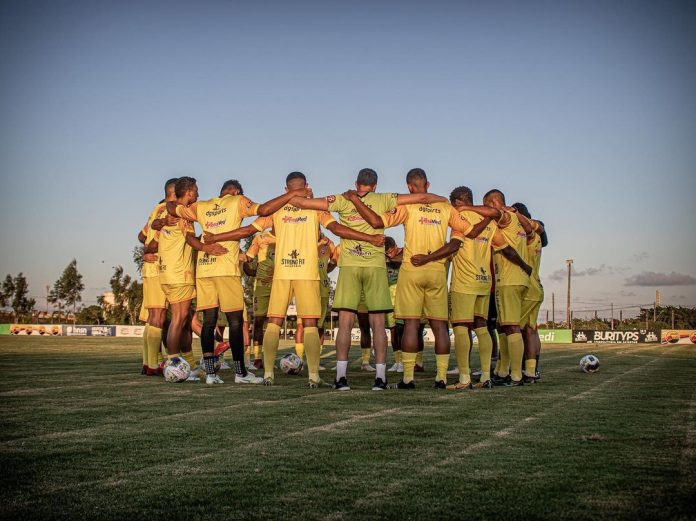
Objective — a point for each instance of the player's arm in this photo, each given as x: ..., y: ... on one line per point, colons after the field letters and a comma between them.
x: 317, y: 203
x: 420, y: 199
x: 141, y: 237
x: 151, y: 247
x: 346, y: 233
x: 167, y: 220
x: 444, y: 252
x: 501, y: 246
x: 234, y: 235
x: 484, y: 211
x: 273, y: 205
x: 190, y: 213
x: 210, y: 249
x: 366, y: 213
x: 150, y: 257
x: 478, y: 228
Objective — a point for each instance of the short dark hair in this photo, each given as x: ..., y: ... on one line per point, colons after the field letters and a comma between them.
x: 232, y: 182
x: 295, y: 175
x: 416, y: 174
x: 544, y: 237
x: 183, y: 185
x: 522, y: 208
x: 462, y: 193
x: 169, y: 183
x: 389, y: 242
x: 367, y: 177
x: 493, y: 192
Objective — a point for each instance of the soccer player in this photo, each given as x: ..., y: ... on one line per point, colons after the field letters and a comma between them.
x: 175, y: 243
x: 511, y: 285
x: 154, y: 307
x: 421, y: 290
x: 394, y: 258
x: 297, y: 271
x: 470, y: 288
x: 260, y: 264
x: 218, y: 278
x: 363, y: 270
x: 532, y: 299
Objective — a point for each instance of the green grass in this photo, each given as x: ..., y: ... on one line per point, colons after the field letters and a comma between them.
x: 83, y: 435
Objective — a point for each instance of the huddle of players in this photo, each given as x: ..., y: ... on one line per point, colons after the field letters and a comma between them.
x: 369, y: 279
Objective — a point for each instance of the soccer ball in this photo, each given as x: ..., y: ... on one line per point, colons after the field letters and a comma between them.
x: 589, y: 364
x: 176, y: 370
x: 291, y: 364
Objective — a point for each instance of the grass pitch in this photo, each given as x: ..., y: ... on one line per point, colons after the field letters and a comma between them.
x: 83, y: 435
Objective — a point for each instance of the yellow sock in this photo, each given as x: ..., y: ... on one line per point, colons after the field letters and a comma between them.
x: 271, y: 338
x: 189, y: 358
x: 397, y: 357
x: 419, y: 358
x: 442, y: 364
x: 516, y: 350
x: 366, y: 356
x: 153, y: 337
x: 257, y: 351
x: 530, y: 366
x: 313, y: 345
x: 409, y: 361
x: 503, y: 369
x: 462, y: 346
x: 485, y: 343
x: 299, y: 349
x: 146, y: 360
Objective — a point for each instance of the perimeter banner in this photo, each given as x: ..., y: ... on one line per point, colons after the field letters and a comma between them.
x: 36, y: 329
x: 130, y: 331
x: 4, y: 329
x: 678, y: 336
x: 89, y: 330
x: 591, y: 336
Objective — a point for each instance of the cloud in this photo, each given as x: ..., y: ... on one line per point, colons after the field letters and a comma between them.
x: 640, y: 256
x: 602, y: 269
x: 651, y: 278
x: 624, y: 293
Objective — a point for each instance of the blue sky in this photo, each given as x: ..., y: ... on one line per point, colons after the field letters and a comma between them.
x: 584, y: 111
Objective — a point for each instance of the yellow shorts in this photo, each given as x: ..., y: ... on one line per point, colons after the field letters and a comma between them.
x: 530, y: 313
x: 307, y: 298
x: 143, y: 315
x: 262, y: 295
x: 421, y: 293
x: 324, y: 312
x: 224, y: 292
x: 153, y: 295
x: 176, y: 293
x: 466, y: 306
x: 508, y: 300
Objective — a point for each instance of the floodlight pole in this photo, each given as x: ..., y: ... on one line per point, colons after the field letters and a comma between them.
x: 569, y: 262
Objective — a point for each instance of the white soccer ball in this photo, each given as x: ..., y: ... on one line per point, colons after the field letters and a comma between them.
x: 589, y: 364
x: 176, y: 370
x: 291, y: 364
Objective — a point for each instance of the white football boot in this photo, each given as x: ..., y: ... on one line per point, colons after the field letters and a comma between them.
x: 367, y: 368
x: 396, y: 368
x: 453, y: 371
x: 213, y: 379
x: 250, y: 378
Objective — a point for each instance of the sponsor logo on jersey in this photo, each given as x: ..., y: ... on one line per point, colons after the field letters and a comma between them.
x: 294, y: 261
x: 429, y: 209
x: 430, y: 221
x: 358, y: 251
x: 294, y: 220
x: 209, y: 225
x: 215, y: 210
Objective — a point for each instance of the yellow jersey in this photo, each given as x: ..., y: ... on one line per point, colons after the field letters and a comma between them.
x: 151, y: 269
x: 327, y: 253
x: 297, y: 236
x: 359, y: 253
x: 507, y: 273
x: 175, y: 255
x: 471, y: 266
x: 425, y: 230
x: 262, y: 249
x: 219, y: 215
x: 536, y: 290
